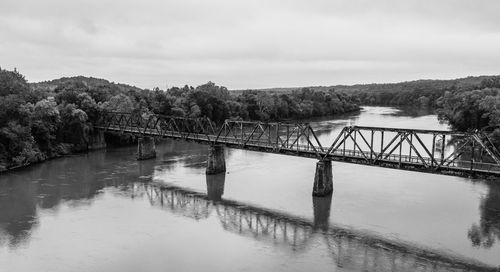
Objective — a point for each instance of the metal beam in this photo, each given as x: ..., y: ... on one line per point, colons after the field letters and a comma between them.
x: 287, y: 140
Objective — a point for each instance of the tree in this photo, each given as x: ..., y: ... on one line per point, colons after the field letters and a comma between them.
x: 118, y: 103
x: 12, y: 82
x: 45, y: 124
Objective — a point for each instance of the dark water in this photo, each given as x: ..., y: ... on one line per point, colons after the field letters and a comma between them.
x: 105, y: 211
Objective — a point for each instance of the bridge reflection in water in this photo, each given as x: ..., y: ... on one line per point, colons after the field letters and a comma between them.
x: 349, y: 249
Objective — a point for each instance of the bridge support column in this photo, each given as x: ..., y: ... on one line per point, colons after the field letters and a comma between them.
x: 146, y: 148
x: 96, y: 140
x: 323, y: 179
x: 216, y: 162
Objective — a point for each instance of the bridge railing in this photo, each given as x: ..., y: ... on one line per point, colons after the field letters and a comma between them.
x: 486, y: 167
x: 409, y: 148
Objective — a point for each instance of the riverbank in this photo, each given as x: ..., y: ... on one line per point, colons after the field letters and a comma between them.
x: 66, y: 149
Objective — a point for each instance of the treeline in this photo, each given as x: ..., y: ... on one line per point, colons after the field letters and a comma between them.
x: 416, y: 97
x: 218, y: 104
x: 421, y: 93
x: 473, y: 110
x: 48, y: 119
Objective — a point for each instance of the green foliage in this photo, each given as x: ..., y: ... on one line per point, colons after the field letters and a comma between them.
x: 45, y: 123
x: 470, y: 110
x: 39, y: 121
x: 74, y: 128
x: 467, y: 110
x: 303, y: 103
x: 119, y: 103
x: 208, y: 100
x: 412, y: 97
x: 12, y: 82
x: 18, y: 145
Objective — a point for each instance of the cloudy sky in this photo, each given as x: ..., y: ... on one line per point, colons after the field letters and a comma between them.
x: 250, y: 44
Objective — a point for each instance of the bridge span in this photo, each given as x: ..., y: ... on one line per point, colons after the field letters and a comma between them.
x: 432, y: 151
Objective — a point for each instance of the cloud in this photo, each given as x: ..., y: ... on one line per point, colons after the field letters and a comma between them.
x: 250, y: 44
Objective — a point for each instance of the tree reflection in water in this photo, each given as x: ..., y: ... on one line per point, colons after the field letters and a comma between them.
x: 76, y: 181
x: 18, y: 213
x: 487, y: 232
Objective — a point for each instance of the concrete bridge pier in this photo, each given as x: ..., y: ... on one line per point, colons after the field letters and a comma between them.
x: 146, y: 148
x: 216, y: 162
x: 323, y: 179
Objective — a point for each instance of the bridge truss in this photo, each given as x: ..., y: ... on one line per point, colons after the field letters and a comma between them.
x: 434, y: 151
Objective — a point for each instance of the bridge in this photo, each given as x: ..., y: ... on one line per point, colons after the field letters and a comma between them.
x: 432, y: 151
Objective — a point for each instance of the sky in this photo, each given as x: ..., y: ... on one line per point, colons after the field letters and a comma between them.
x: 250, y: 44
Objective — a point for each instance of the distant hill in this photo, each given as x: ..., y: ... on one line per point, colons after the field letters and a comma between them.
x: 422, y: 84
x: 90, y: 82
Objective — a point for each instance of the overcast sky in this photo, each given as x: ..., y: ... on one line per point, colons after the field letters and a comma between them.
x: 250, y: 44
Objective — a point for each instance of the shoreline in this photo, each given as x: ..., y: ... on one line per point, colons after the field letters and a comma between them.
x: 25, y: 166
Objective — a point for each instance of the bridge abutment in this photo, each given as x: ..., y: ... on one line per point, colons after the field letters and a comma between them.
x: 216, y: 162
x: 146, y: 148
x: 323, y: 179
x: 96, y: 140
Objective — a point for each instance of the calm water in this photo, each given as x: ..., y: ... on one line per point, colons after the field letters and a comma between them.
x: 105, y: 211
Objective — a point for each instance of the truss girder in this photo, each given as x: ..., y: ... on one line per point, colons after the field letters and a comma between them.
x: 396, y: 147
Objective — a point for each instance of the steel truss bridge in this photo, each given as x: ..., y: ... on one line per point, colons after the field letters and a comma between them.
x: 348, y: 248
x: 433, y: 151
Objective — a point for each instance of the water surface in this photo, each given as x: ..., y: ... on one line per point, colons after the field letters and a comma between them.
x: 105, y: 211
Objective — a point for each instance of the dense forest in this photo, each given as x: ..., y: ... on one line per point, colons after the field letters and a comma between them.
x: 422, y: 93
x: 49, y: 119
x: 470, y: 110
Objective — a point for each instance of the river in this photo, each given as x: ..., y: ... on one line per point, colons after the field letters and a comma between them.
x: 106, y: 211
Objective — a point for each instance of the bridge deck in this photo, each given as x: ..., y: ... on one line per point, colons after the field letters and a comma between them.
x: 359, y: 156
